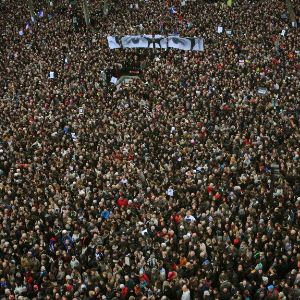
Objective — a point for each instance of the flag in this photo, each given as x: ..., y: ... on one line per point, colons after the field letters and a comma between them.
x: 51, y: 246
x: 67, y: 240
x: 229, y: 3
x: 173, y: 11
x: 40, y: 14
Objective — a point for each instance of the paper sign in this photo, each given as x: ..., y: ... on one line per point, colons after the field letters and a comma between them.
x: 21, y: 32
x: 51, y: 75
x: 262, y: 91
x: 124, y: 181
x: 114, y: 80
x: 229, y: 32
x: 143, y: 232
x: 80, y: 110
x: 294, y: 24
x: 127, y: 261
x: 283, y: 32
x: 170, y: 192
x: 220, y: 29
x: 283, y: 16
x: 74, y: 137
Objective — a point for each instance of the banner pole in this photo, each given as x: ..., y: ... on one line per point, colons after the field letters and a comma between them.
x: 31, y: 9
x: 86, y: 13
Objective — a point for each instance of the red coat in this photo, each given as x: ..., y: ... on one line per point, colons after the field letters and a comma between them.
x: 122, y: 202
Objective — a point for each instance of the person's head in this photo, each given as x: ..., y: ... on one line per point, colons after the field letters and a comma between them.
x: 185, y: 288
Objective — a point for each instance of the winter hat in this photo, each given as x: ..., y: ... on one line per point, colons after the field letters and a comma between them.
x: 236, y: 241
x: 69, y: 287
x: 105, y: 214
x: 171, y: 275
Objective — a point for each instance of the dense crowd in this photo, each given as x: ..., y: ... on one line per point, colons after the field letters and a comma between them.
x: 183, y: 184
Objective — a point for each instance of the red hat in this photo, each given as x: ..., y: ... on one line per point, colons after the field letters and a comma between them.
x: 171, y: 275
x: 69, y: 287
x: 217, y: 195
x: 236, y: 241
x: 174, y: 266
x: 29, y: 279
